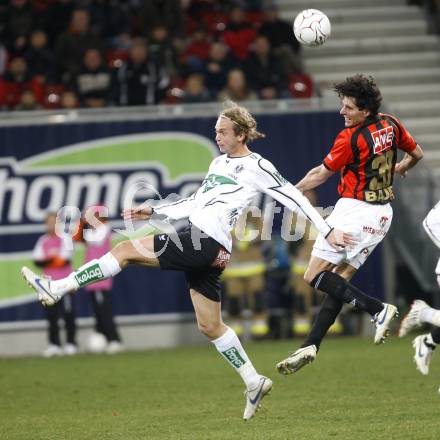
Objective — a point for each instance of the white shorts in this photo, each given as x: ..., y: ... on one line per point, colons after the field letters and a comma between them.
x: 431, y: 223
x: 368, y: 223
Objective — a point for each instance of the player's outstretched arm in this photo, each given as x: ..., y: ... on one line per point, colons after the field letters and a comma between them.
x: 270, y: 181
x: 315, y: 177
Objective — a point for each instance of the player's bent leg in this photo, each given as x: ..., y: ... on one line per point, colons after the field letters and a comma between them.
x: 346, y: 271
x: 325, y: 318
x: 210, y: 323
x: 335, y: 285
x: 316, y: 266
x: 136, y: 251
x: 139, y: 251
x: 208, y: 314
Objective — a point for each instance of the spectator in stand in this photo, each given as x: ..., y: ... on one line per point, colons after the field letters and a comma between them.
x: 284, y: 44
x: 3, y: 59
x: 161, y: 49
x: 17, y: 79
x: 57, y: 18
x: 167, y: 12
x: 195, y: 90
x: 19, y: 20
x: 109, y: 18
x: 236, y: 88
x: 238, y: 34
x: 196, y: 53
x: 38, y: 56
x: 217, y: 67
x: 139, y: 81
x: 69, y: 100
x: 98, y: 243
x: 92, y: 84
x: 27, y: 101
x: 264, y: 71
x: 72, y: 45
x: 52, y: 254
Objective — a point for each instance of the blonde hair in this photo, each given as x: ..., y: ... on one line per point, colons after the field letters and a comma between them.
x: 243, y: 121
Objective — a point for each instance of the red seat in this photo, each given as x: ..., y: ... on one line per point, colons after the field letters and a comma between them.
x: 52, y: 96
x: 115, y: 57
x: 175, y: 91
x: 300, y: 85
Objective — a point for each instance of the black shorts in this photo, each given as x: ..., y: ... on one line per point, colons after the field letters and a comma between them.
x: 200, y: 257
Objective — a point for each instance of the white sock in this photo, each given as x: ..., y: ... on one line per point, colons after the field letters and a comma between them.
x: 431, y: 316
x: 105, y: 267
x: 229, y: 346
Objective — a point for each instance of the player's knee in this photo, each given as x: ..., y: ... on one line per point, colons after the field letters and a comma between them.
x: 122, y: 251
x: 208, y: 328
x: 309, y: 276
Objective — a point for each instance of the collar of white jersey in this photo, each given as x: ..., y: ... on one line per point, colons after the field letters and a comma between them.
x: 238, y: 157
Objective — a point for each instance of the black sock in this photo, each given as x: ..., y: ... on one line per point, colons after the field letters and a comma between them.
x: 326, y: 317
x: 435, y: 335
x: 338, y: 288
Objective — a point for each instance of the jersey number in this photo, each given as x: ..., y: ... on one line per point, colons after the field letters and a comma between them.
x: 384, y: 165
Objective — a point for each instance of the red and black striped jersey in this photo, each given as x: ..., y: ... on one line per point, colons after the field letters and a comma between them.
x: 366, y: 156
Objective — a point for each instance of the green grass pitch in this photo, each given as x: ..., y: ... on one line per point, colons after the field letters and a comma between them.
x: 354, y: 390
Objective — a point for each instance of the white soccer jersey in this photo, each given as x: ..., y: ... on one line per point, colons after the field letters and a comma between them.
x: 229, y: 187
x: 431, y: 223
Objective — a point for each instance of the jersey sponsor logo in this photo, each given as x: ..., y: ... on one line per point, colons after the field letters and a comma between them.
x: 89, y: 274
x: 233, y: 356
x: 383, y: 139
x: 383, y: 221
x: 162, y: 237
x: 214, y: 180
x: 222, y: 259
x: 373, y: 231
x: 281, y: 180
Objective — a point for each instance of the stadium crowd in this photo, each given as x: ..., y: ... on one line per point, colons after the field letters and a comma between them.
x: 99, y: 53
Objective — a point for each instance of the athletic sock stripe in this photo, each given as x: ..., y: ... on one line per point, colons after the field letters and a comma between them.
x: 318, y: 281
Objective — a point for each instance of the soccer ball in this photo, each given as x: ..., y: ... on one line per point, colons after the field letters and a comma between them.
x: 96, y: 343
x: 311, y: 27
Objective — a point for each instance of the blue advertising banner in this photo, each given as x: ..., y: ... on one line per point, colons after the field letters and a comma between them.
x: 44, y: 167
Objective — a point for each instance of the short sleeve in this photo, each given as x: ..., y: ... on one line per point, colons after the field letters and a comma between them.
x: 406, y: 141
x: 341, y: 153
